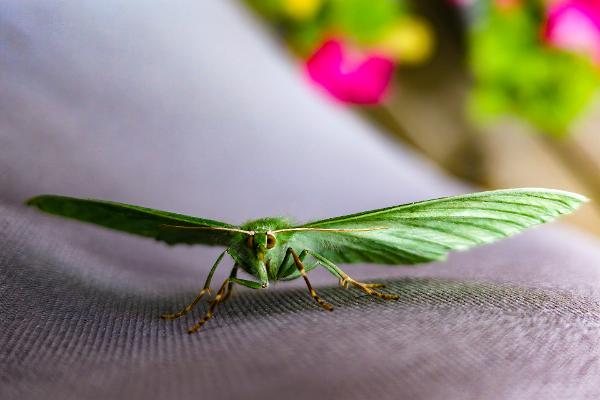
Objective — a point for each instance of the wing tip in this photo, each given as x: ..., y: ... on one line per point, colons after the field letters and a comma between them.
x: 34, y: 201
x: 565, y: 193
x: 574, y: 199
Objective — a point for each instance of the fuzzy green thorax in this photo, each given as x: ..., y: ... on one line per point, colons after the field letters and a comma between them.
x: 267, y: 224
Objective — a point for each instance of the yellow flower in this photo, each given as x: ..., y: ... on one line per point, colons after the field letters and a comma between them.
x: 301, y: 9
x: 410, y: 41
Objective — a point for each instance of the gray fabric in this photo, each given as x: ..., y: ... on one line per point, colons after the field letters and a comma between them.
x: 190, y: 107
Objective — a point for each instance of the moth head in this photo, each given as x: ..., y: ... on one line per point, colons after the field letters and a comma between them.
x: 261, y: 242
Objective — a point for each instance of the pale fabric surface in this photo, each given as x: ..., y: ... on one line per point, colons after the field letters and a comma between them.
x: 191, y: 108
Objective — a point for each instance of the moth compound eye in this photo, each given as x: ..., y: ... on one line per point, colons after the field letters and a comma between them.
x: 250, y: 241
x: 271, y: 241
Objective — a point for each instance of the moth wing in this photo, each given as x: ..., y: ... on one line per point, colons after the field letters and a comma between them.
x: 160, y: 225
x: 428, y: 230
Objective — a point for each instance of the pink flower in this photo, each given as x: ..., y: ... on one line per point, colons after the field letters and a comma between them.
x: 351, y: 78
x: 574, y: 25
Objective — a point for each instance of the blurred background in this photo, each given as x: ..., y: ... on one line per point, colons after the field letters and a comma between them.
x: 501, y: 93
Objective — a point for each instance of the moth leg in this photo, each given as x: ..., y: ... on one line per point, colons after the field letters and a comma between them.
x: 205, y: 290
x: 233, y: 274
x: 312, y: 291
x: 367, y: 288
x: 286, y: 274
x: 375, y: 285
x: 220, y: 297
x: 347, y: 282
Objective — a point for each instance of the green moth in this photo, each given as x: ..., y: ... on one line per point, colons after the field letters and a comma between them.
x: 274, y: 249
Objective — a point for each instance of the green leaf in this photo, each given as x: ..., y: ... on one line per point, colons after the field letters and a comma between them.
x: 364, y: 20
x: 138, y: 220
x: 428, y: 230
x: 516, y: 73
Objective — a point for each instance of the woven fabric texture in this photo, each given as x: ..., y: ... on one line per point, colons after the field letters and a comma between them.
x: 190, y: 107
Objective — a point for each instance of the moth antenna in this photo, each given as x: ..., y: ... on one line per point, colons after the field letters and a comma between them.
x: 378, y: 228
x: 208, y: 228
